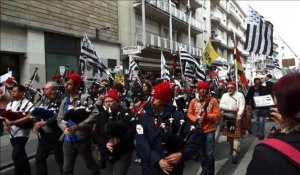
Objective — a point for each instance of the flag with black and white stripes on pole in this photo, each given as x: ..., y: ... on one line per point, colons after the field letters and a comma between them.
x: 164, y: 74
x: 188, y: 72
x: 89, y: 56
x: 197, y: 68
x: 134, y: 70
x: 259, y: 34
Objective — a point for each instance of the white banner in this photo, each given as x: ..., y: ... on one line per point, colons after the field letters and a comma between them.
x: 5, y: 76
x: 263, y: 101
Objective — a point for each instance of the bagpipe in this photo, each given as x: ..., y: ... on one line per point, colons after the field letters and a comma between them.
x: 171, y: 137
x: 116, y: 125
x: 13, y: 116
x: 81, y: 112
x: 200, y: 118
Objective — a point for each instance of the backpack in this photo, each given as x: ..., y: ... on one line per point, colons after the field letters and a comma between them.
x: 284, y: 148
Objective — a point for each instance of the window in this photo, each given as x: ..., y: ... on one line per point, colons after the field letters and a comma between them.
x: 167, y: 35
x: 60, y: 50
x: 111, y: 63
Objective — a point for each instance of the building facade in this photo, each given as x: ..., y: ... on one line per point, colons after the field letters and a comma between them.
x: 227, y: 19
x: 48, y: 34
x: 188, y: 20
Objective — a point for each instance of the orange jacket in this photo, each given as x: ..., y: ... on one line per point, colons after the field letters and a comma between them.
x: 212, y: 112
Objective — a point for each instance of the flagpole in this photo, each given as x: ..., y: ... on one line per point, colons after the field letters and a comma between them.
x: 235, y: 61
x: 183, y: 83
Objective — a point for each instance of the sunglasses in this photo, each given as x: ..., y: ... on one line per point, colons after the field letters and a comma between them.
x: 230, y: 87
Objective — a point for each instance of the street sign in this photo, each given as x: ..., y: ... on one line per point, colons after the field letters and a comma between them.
x: 288, y: 62
x: 131, y: 50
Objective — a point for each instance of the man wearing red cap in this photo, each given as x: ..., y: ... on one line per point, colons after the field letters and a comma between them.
x: 114, y: 134
x: 232, y: 105
x: 164, y: 139
x: 78, y: 133
x: 5, y: 96
x: 207, y: 119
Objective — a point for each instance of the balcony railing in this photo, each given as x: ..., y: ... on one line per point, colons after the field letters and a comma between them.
x: 164, y: 43
x: 234, y: 14
x: 179, y: 14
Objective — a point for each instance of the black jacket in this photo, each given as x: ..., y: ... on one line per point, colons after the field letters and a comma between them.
x: 249, y: 98
x: 119, y: 126
x: 267, y: 160
x: 149, y: 140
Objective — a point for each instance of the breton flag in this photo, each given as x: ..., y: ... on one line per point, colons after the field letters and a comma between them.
x: 209, y: 54
x: 198, y: 71
x: 188, y: 72
x: 259, y: 34
x: 164, y: 74
x: 134, y: 70
x: 239, y: 64
x: 89, y: 56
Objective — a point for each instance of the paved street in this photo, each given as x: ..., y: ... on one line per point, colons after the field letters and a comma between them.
x: 223, y: 159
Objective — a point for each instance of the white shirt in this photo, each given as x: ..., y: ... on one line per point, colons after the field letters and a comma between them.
x: 227, y: 102
x: 15, y: 106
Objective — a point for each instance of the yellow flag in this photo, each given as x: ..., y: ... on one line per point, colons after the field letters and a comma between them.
x: 209, y: 54
x: 119, y: 79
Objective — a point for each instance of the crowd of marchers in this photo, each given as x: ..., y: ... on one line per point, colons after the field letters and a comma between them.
x: 157, y: 124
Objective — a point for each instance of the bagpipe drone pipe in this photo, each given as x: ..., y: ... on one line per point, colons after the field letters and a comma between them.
x: 173, y: 132
x: 201, y: 118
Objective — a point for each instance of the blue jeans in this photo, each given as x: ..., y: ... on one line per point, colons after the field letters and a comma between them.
x: 207, y: 152
x: 259, y: 123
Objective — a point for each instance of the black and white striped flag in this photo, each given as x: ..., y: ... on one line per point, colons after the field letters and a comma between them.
x: 164, y: 74
x: 200, y: 73
x: 188, y: 72
x: 259, y: 34
x: 134, y: 70
x: 197, y: 68
x: 89, y: 56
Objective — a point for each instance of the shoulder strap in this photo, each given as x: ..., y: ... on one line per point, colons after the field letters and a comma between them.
x: 284, y: 148
x: 233, y: 98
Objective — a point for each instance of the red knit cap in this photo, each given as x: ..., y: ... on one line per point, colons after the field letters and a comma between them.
x: 114, y: 94
x: 231, y: 84
x: 10, y: 80
x: 203, y: 84
x: 163, y: 92
x: 75, y: 77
